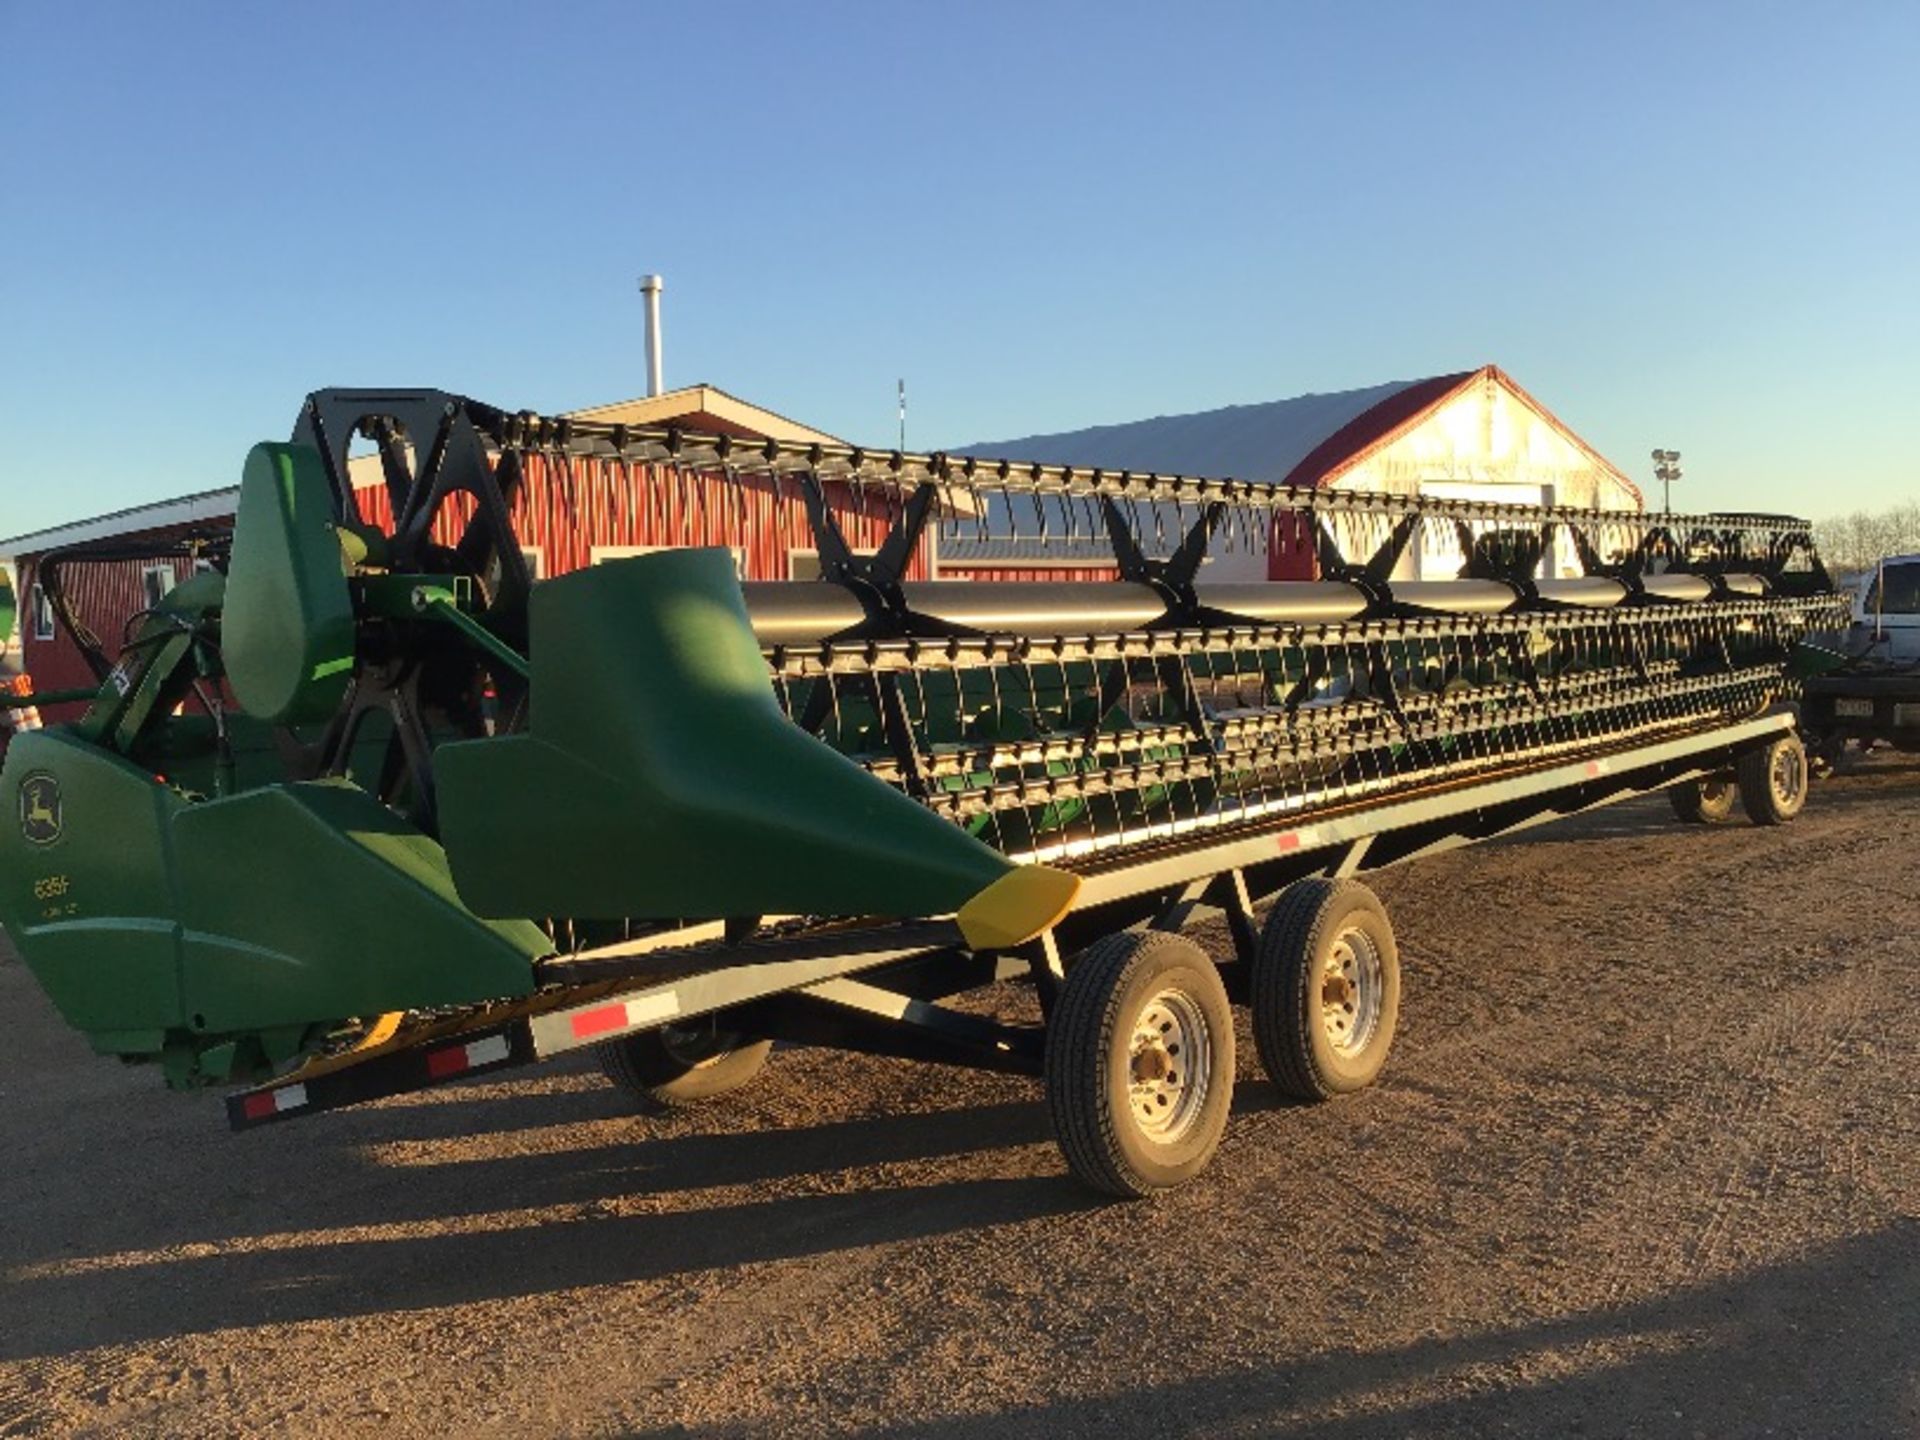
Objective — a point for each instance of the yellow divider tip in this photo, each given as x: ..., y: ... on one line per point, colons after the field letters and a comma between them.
x: 381, y: 1031
x: 1018, y: 906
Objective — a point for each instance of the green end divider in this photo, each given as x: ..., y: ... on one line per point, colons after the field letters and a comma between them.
x: 661, y: 780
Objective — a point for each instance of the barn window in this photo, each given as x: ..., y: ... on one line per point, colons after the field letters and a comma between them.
x: 603, y: 553
x: 42, y: 614
x: 805, y: 564
x: 156, y: 581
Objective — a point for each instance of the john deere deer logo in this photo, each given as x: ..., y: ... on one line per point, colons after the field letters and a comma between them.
x: 40, y: 809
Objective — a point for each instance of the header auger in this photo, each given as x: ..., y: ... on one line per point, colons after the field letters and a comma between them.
x: 415, y: 796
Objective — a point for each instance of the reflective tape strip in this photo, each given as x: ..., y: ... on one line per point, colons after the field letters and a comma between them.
x: 274, y: 1102
x: 1290, y: 840
x: 624, y: 1015
x: 456, y: 1059
x: 601, y: 1020
x: 488, y: 1051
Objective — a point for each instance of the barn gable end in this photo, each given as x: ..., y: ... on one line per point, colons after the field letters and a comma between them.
x: 1472, y: 434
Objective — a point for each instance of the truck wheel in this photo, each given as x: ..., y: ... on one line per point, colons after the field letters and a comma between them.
x: 677, y: 1065
x: 1139, y: 1063
x: 1325, y: 989
x: 1704, y: 802
x: 1773, y: 781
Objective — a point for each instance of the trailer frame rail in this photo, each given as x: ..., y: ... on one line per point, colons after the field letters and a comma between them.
x: 802, y: 988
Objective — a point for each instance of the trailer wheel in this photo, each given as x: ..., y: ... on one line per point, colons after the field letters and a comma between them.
x: 1773, y: 781
x: 1139, y: 1063
x: 1325, y: 989
x: 1704, y: 802
x: 678, y: 1065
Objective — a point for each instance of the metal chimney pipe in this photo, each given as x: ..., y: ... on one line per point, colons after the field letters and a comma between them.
x: 650, y: 287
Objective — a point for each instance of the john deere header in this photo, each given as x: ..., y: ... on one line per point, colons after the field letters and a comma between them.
x: 357, y: 771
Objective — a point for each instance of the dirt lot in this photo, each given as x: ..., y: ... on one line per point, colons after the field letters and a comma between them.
x: 1647, y: 1162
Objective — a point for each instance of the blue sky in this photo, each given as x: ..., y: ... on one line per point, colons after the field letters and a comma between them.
x: 1690, y: 225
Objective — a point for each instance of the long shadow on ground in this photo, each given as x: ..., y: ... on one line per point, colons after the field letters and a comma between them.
x: 1819, y: 1346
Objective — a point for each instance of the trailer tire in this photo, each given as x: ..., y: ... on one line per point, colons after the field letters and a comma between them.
x: 1704, y: 802
x: 673, y: 1066
x: 1773, y: 781
x: 1139, y: 1063
x: 1324, y: 989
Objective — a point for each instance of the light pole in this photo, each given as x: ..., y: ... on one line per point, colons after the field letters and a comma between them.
x: 1666, y: 469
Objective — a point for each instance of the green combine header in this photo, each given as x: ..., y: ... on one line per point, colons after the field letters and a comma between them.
x: 360, y: 809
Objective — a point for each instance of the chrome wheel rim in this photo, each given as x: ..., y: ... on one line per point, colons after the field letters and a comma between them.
x: 1350, y: 991
x: 1169, y: 1065
x: 1788, y: 773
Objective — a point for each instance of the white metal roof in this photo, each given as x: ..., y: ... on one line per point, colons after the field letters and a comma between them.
x: 161, y: 515
x: 704, y: 400
x: 1247, y: 442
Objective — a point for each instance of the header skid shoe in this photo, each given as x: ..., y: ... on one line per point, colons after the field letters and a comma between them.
x: 660, y: 779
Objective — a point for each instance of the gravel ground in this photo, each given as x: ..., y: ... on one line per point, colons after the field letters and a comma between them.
x: 1646, y: 1162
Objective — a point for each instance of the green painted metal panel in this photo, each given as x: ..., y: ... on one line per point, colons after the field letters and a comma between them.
x: 186, y: 750
x: 219, y: 930
x: 314, y: 901
x: 84, y: 889
x: 287, y: 634
x: 660, y: 778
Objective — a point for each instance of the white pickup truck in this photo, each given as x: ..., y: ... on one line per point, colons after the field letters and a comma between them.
x: 1875, y: 693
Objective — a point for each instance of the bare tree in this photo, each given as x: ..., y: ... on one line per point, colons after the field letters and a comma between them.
x: 1859, y: 541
